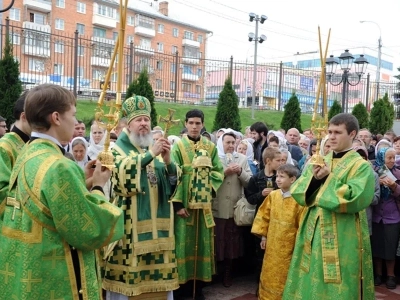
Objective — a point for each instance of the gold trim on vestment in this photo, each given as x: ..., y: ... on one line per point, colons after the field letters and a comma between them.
x: 97, y: 192
x: 360, y: 253
x: 140, y: 287
x: 33, y: 237
x: 71, y: 271
x: 84, y: 285
x: 144, y: 247
x: 145, y: 226
x: 132, y: 269
x: 150, y: 296
x: 153, y: 189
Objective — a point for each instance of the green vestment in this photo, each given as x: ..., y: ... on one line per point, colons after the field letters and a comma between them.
x: 144, y: 260
x: 202, y: 175
x: 50, y: 219
x: 11, y: 145
x: 332, y: 255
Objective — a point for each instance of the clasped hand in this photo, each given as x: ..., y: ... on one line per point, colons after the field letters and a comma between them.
x: 320, y: 172
x: 233, y: 169
x: 163, y: 147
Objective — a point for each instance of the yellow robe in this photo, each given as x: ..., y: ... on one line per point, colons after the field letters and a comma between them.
x: 278, y: 219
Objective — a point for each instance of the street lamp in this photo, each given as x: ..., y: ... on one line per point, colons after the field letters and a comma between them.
x: 345, y: 60
x: 378, y: 68
x: 256, y: 39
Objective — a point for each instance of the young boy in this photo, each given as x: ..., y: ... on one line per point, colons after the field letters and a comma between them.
x: 277, y: 222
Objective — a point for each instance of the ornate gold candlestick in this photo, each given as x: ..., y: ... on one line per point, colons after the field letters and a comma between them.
x: 319, y: 123
x: 109, y: 120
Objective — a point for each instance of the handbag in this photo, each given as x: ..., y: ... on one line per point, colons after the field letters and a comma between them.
x: 244, y: 212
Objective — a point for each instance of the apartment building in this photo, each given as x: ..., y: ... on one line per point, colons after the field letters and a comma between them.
x: 46, y: 44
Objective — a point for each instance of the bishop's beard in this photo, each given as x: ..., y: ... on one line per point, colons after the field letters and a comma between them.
x: 141, y: 140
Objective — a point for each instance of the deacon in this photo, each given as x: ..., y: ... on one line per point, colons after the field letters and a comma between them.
x: 332, y: 254
x: 202, y: 175
x: 52, y: 224
x: 142, y: 264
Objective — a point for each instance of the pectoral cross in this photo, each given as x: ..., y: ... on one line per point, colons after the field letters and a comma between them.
x: 13, y: 202
x: 168, y: 120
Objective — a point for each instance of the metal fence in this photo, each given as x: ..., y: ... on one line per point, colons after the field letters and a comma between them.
x: 80, y: 63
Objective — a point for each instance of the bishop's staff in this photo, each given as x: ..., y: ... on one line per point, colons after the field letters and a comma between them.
x: 319, y: 126
x: 109, y: 120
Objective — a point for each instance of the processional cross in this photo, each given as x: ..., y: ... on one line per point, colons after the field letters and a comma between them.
x: 169, y: 121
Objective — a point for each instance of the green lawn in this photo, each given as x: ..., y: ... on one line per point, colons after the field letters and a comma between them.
x: 85, y: 112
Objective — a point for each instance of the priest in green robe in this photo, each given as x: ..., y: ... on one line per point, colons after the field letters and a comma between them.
x: 11, y: 145
x: 332, y: 255
x: 52, y: 224
x: 202, y: 175
x: 142, y: 265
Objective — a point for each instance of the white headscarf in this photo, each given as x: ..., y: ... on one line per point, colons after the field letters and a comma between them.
x: 382, y: 141
x: 289, y: 159
x: 94, y: 149
x: 220, y: 147
x: 250, y: 150
x: 173, y: 139
x: 83, y: 162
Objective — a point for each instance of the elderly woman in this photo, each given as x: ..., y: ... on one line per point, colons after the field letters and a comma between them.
x: 79, y: 149
x: 237, y: 175
x: 386, y: 217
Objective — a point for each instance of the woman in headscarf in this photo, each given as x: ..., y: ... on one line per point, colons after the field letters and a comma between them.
x: 96, y: 141
x: 386, y: 217
x: 246, y: 148
x: 312, y: 149
x: 383, y: 143
x: 79, y: 149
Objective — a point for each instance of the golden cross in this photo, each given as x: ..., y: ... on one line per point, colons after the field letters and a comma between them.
x: 89, y: 222
x: 30, y: 280
x: 61, y: 223
x: 15, y: 203
x: 169, y: 122
x: 54, y: 258
x: 60, y: 191
x: 7, y: 273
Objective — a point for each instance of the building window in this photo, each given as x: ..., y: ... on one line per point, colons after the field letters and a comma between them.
x: 81, y: 7
x: 200, y: 39
x: 81, y: 50
x: 199, y: 72
x: 144, y: 21
x: 172, y: 85
x: 80, y: 71
x: 173, y: 68
x: 159, y: 65
x: 60, y: 24
x: 174, y: 49
x: 198, y: 89
x: 158, y: 84
x: 15, y: 38
x: 131, y: 20
x: 160, y: 28
x: 80, y: 28
x: 60, y: 3
x: 106, y: 11
x: 186, y: 87
x: 188, y: 35
x: 58, y: 69
x: 36, y: 39
x: 115, y: 35
x: 37, y: 18
x: 145, y: 43
x: 99, y: 32
x: 191, y: 52
x: 175, y: 32
x: 36, y: 65
x: 15, y: 14
x: 160, y: 47
x: 59, y: 47
x: 129, y: 39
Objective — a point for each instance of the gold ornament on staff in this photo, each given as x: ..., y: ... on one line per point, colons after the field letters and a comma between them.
x: 109, y: 120
x: 168, y: 120
x: 319, y: 123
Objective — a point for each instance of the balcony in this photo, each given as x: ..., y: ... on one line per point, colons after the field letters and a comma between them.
x: 190, y: 77
x: 104, y: 21
x: 100, y: 61
x: 190, y: 60
x: 147, y: 31
x: 191, y: 43
x: 36, y: 39
x: 36, y: 50
x: 100, y: 40
x: 37, y: 27
x: 144, y: 50
x: 38, y: 5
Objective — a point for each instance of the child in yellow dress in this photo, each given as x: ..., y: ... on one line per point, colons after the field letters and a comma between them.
x: 276, y: 222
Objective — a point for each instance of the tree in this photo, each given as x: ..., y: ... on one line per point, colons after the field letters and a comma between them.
x: 292, y: 114
x: 142, y: 87
x: 227, y: 115
x: 398, y: 77
x: 361, y: 113
x: 10, y: 85
x: 335, y: 109
x: 382, y: 115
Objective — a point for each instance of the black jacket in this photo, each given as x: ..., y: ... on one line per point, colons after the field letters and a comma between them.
x: 254, y: 189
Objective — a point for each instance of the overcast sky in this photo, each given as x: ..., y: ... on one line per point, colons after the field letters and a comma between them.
x: 292, y: 26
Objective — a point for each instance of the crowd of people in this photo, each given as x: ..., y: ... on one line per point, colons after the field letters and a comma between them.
x: 165, y: 220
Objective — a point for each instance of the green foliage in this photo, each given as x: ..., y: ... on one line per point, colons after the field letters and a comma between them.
x: 142, y: 87
x: 227, y: 115
x: 361, y: 113
x: 10, y: 85
x: 398, y: 77
x: 382, y: 115
x: 335, y: 109
x: 292, y: 114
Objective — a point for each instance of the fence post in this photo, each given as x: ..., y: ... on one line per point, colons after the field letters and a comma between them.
x: 280, y: 85
x: 76, y: 42
x: 131, y: 60
x: 231, y: 68
x: 176, y: 75
x: 367, y: 96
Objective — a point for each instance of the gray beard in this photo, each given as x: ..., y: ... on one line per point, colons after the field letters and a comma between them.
x: 143, y: 141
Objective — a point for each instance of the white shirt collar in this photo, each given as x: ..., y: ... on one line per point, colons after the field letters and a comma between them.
x: 286, y: 194
x: 45, y: 136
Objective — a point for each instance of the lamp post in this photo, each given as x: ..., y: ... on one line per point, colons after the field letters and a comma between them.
x: 346, y: 61
x: 256, y: 39
x: 378, y: 67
